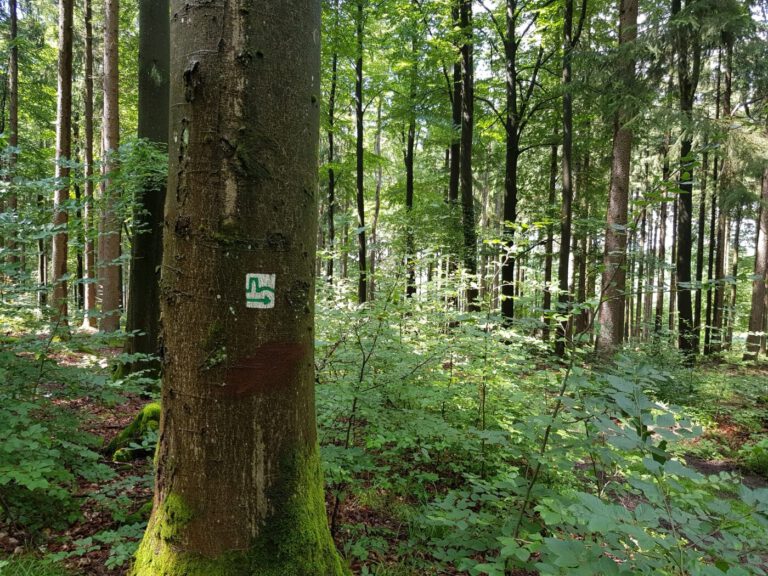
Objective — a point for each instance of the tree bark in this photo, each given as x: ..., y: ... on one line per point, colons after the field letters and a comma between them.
x: 614, y: 260
x: 63, y: 157
x: 143, y: 317
x: 331, y: 170
x: 467, y: 130
x: 362, y: 282
x: 569, y: 43
x: 89, y: 252
x: 735, y: 275
x: 110, y: 280
x: 13, y: 125
x: 757, y: 315
x: 239, y: 486
x: 688, y: 67
x: 549, y: 245
x: 512, y: 157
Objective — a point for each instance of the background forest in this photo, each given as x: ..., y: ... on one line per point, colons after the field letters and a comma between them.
x: 540, y: 284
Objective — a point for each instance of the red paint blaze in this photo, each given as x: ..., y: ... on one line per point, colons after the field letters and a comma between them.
x: 272, y: 368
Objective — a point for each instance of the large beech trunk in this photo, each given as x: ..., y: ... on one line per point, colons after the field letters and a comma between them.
x: 239, y: 489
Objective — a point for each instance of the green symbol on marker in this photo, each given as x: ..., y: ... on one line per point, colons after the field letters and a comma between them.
x: 260, y: 291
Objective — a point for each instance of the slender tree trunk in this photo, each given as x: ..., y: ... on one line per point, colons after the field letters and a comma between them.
x: 362, y: 282
x: 688, y: 68
x: 410, y: 145
x: 110, y: 279
x: 713, y: 236
x: 89, y: 273
x: 662, y: 258
x: 239, y: 486
x: 549, y: 245
x: 734, y: 287
x: 410, y: 244
x: 719, y: 333
x: 376, y: 209
x: 700, y: 242
x: 331, y: 170
x: 614, y: 260
x: 567, y: 184
x: 467, y: 129
x: 642, y: 257
x: 673, y: 271
x: 757, y: 316
x: 456, y: 108
x: 512, y: 158
x: 143, y: 318
x: 63, y: 157
x: 13, y: 124
x: 79, y: 291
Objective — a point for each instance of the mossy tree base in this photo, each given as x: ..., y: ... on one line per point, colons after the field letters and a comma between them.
x: 294, y: 541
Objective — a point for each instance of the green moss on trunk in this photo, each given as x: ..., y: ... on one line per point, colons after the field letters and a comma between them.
x: 294, y: 541
x: 147, y: 419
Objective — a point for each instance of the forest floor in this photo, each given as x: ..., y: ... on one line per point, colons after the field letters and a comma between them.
x: 374, y: 531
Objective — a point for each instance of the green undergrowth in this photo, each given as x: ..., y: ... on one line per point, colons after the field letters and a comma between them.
x: 31, y: 567
x: 469, y: 448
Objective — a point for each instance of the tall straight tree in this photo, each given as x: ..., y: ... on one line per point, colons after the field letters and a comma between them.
x: 89, y: 252
x: 570, y: 39
x: 109, y: 238
x: 688, y: 51
x: 362, y: 249
x: 13, y: 118
x: 465, y: 172
x: 455, y: 91
x: 519, y: 109
x: 614, y: 260
x: 331, y: 213
x: 239, y: 486
x: 757, y: 315
x: 63, y: 154
x: 143, y: 316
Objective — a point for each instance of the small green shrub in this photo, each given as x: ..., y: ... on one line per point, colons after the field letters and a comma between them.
x: 755, y: 456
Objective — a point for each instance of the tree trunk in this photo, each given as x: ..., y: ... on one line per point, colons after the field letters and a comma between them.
x: 567, y: 208
x: 549, y: 245
x: 331, y: 170
x: 512, y: 158
x: 688, y: 68
x: 109, y: 238
x: 362, y: 251
x: 735, y: 285
x: 410, y: 243
x: 700, y: 243
x: 376, y: 208
x: 239, y: 488
x: 467, y: 130
x: 614, y: 260
x: 143, y: 318
x: 456, y: 108
x: 63, y: 157
x: 757, y: 313
x: 89, y: 254
x: 13, y: 125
